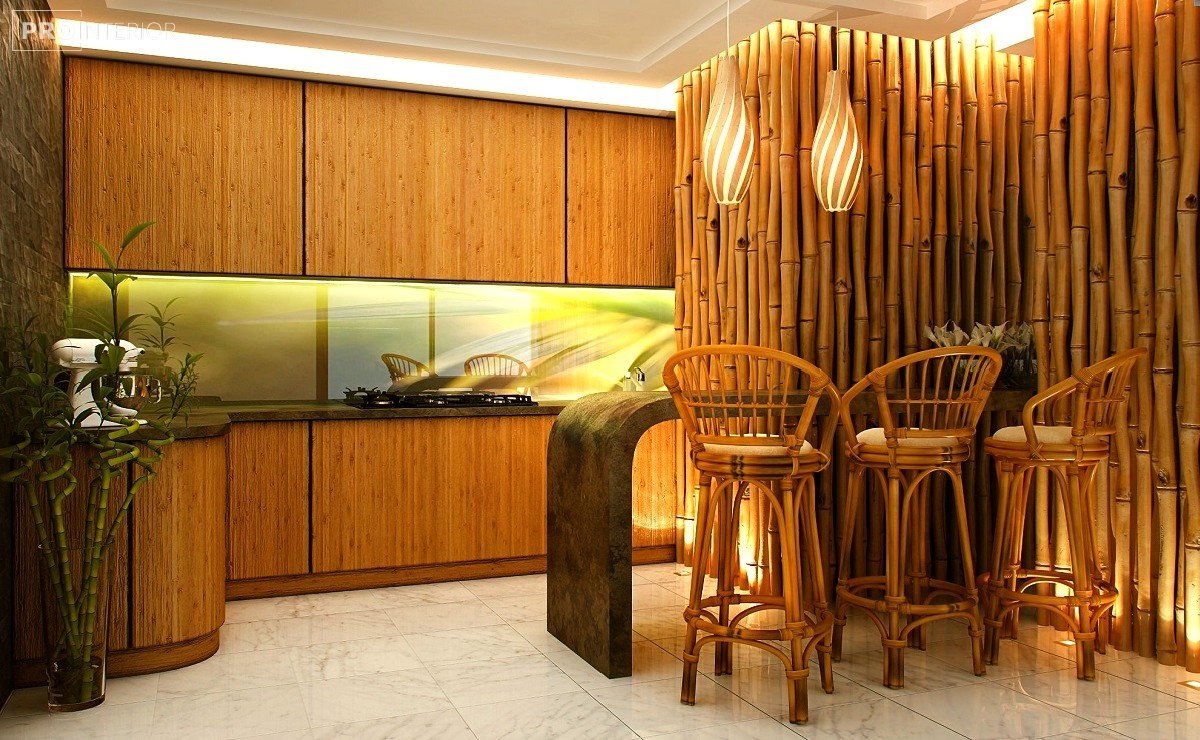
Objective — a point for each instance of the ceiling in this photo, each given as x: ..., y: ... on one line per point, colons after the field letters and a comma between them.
x: 634, y: 42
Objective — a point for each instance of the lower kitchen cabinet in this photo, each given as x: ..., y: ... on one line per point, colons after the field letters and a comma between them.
x: 268, y: 499
x: 406, y: 492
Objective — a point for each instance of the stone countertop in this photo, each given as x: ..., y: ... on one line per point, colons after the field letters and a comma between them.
x: 214, y: 419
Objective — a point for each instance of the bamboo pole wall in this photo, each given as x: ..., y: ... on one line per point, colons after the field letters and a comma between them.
x: 937, y: 232
x: 1060, y: 189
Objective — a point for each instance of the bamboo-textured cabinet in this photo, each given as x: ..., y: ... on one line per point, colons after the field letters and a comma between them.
x: 268, y: 499
x: 406, y: 492
x: 620, y: 172
x: 214, y: 158
x: 409, y: 185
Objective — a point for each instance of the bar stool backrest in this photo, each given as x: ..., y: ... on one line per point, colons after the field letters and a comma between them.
x: 935, y: 393
x: 745, y: 395
x: 493, y: 364
x: 402, y: 366
x: 1089, y: 400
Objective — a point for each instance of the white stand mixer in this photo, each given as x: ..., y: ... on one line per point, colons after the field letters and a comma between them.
x: 79, y: 356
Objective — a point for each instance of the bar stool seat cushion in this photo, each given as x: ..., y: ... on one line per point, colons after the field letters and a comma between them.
x: 754, y: 450
x: 875, y: 437
x: 1051, y: 435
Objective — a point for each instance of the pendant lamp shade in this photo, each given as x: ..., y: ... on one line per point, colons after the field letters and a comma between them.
x: 727, y: 150
x: 837, y: 157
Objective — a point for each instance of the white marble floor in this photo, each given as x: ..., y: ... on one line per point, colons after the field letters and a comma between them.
x: 473, y: 660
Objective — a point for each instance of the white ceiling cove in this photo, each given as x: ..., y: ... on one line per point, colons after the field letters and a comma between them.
x: 635, y: 42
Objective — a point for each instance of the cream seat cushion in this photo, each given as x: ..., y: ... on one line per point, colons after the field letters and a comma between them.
x: 1056, y: 435
x: 876, y: 438
x: 754, y: 450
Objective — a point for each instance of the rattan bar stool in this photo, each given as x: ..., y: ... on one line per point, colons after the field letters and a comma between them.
x: 747, y: 412
x: 929, y: 403
x: 1065, y: 430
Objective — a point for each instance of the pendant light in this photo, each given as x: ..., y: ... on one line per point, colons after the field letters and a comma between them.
x: 727, y: 150
x: 837, y: 157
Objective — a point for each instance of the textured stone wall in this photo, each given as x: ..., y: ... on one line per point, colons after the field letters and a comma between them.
x: 31, y: 223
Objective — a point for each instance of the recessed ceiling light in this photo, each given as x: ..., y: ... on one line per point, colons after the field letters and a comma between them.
x: 1007, y: 28
x: 351, y: 66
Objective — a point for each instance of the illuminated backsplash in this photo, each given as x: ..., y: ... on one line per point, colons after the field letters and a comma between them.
x: 304, y: 339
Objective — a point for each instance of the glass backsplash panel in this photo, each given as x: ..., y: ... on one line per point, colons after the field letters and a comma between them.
x: 305, y: 339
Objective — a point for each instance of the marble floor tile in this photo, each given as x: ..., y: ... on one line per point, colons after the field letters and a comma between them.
x: 422, y: 593
x: 766, y: 688
x: 425, y: 617
x: 758, y: 729
x: 129, y: 720
x: 537, y: 635
x: 352, y: 658
x: 922, y: 672
x: 650, y: 663
x: 1016, y: 659
x: 992, y: 712
x: 500, y: 588
x: 660, y: 572
x: 1149, y: 672
x: 652, y: 595
x: 229, y: 672
x: 300, y: 631
x: 1105, y: 701
x: 1051, y: 641
x: 1174, y: 726
x: 32, y: 700
x: 577, y: 716
x: 308, y: 605
x: 871, y: 720
x: 469, y: 645
x: 1091, y: 733
x: 654, y: 708
x: 744, y: 656
x: 526, y: 608
x: 231, y: 714
x: 446, y: 724
x: 660, y: 623
x: 358, y: 698
x: 501, y: 679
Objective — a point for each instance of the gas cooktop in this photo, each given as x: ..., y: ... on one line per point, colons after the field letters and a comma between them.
x: 374, y: 398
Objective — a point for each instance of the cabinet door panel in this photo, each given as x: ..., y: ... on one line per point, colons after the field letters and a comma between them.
x: 620, y: 224
x: 655, y: 486
x: 399, y: 492
x: 214, y: 158
x: 409, y: 185
x: 268, y: 499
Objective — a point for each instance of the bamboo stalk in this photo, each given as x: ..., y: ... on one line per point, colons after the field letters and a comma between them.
x: 1188, y: 311
x: 954, y: 176
x: 1163, y: 449
x: 790, y: 177
x: 939, y: 236
x: 909, y: 208
x: 1077, y: 180
x: 970, y: 184
x: 1012, y: 190
x: 985, y: 243
x: 893, y: 175
x: 858, y: 219
x: 999, y: 188
x: 876, y: 284
x: 924, y: 192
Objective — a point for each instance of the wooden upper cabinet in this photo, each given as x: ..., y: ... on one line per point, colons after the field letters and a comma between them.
x: 214, y: 158
x: 620, y: 222
x: 410, y: 185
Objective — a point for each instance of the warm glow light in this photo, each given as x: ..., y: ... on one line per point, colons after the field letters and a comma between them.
x: 1068, y: 643
x: 1192, y: 684
x: 326, y: 63
x: 1007, y: 28
x: 727, y: 151
x: 837, y: 158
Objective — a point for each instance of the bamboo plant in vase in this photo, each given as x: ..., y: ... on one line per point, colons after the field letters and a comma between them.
x: 78, y: 472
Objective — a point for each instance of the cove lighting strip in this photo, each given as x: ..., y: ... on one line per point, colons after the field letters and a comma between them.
x: 1007, y: 28
x: 326, y: 63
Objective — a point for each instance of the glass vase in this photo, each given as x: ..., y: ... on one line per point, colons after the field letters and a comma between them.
x: 76, y: 590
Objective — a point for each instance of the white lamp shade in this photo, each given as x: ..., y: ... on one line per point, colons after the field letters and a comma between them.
x: 727, y: 151
x: 837, y: 156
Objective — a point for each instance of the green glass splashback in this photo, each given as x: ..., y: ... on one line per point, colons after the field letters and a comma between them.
x: 303, y: 339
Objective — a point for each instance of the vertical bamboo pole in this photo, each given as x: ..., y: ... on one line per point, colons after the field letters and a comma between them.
x: 939, y: 195
x: 893, y: 175
x: 683, y: 197
x: 1012, y: 190
x: 954, y: 178
x: 858, y: 216
x: 792, y: 175
x: 1188, y: 309
x: 1027, y: 188
x: 999, y: 190
x: 1163, y: 445
x: 970, y: 183
x: 824, y: 284
x: 1077, y: 179
x: 924, y: 191
x: 876, y: 284
x: 775, y: 286
x: 1143, y: 299
x: 909, y: 208
x: 985, y: 244
x: 751, y: 311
